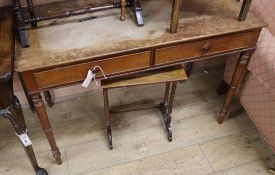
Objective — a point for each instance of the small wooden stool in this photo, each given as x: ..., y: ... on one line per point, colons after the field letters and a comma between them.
x: 168, y: 76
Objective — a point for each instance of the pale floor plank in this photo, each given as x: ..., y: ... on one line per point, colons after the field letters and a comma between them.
x: 235, y: 150
x: 187, y: 161
x: 132, y: 143
x: 21, y: 166
x: 252, y: 168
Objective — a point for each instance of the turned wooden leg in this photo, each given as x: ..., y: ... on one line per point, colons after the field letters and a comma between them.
x: 169, y: 111
x: 107, y: 117
x: 14, y: 114
x: 175, y: 16
x: 31, y: 11
x: 164, y: 103
x: 48, y: 98
x: 239, y: 72
x: 244, y: 10
x: 123, y: 10
x: 20, y: 24
x: 46, y: 126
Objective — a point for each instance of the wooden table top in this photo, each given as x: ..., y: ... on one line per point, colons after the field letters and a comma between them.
x: 69, y: 40
x: 5, y: 43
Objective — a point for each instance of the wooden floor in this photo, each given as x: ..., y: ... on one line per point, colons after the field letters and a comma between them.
x: 200, y: 146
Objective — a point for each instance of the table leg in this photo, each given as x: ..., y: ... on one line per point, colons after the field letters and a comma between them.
x: 239, y: 72
x: 46, y: 126
x: 137, y: 10
x: 244, y: 10
x: 175, y: 16
x: 20, y: 25
x: 10, y: 109
x: 15, y: 115
x: 31, y: 11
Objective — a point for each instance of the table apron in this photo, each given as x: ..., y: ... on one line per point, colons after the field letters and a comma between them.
x: 153, y: 58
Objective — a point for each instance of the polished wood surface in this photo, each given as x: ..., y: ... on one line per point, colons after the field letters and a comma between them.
x: 207, y: 30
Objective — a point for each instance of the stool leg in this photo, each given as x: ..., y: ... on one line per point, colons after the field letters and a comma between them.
x: 167, y: 116
x: 164, y: 103
x: 107, y: 118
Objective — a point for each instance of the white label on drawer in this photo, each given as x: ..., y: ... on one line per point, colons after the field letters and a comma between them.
x: 25, y: 139
x: 88, y: 79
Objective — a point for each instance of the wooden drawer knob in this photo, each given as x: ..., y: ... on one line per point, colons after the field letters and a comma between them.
x: 206, y: 47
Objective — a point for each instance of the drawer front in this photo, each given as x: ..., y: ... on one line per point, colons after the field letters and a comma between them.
x: 78, y: 72
x: 202, y: 48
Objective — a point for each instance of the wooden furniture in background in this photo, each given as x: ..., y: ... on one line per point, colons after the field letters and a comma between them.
x: 123, y: 10
x: 168, y: 76
x: 176, y: 13
x: 32, y: 18
x: 10, y: 107
x: 56, y: 59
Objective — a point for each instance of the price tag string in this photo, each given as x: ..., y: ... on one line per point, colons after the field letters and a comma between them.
x: 94, y: 69
x: 92, y: 75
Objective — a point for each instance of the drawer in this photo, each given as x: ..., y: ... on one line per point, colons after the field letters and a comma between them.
x: 78, y: 72
x: 202, y: 48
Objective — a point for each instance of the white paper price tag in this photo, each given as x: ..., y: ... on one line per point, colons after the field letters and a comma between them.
x: 25, y: 139
x: 88, y: 79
